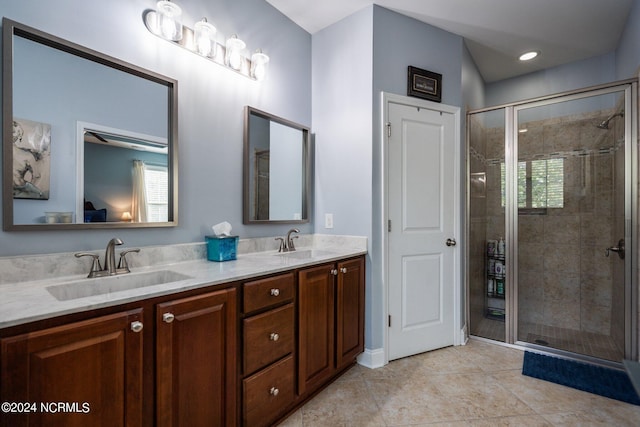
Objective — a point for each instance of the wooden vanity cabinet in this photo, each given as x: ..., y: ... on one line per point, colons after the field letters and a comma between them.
x: 350, y: 285
x: 268, y: 342
x: 93, y: 368
x: 330, y: 321
x: 196, y: 360
x: 236, y: 354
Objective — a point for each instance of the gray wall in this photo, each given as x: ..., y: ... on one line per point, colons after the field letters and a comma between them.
x: 575, y: 75
x: 211, y: 101
x: 628, y: 51
x: 342, y: 123
x: 353, y: 61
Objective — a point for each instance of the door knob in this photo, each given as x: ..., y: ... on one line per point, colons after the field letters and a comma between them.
x: 451, y: 242
x: 168, y: 317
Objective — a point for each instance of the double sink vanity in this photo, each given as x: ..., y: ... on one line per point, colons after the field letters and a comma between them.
x: 163, y: 337
x: 195, y: 342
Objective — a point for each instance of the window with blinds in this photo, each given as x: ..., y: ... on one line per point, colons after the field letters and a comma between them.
x: 156, y: 181
x: 540, y: 183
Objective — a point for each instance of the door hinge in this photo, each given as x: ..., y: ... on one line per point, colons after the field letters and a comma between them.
x: 389, y: 129
x: 389, y: 226
x: 389, y: 320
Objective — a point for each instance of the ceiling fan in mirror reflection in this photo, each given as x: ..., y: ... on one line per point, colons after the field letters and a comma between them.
x: 165, y: 22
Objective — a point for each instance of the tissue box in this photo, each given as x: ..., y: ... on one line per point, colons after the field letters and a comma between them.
x: 221, y: 248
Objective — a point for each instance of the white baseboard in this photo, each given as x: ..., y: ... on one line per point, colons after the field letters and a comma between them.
x: 372, y: 358
x: 464, y: 337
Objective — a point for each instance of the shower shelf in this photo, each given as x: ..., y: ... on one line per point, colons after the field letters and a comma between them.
x: 494, y: 281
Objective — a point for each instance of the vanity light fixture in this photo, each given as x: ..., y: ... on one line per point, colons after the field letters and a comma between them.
x: 233, y: 57
x: 259, y: 62
x: 164, y: 22
x: 528, y: 56
x: 168, y: 23
x: 205, y: 34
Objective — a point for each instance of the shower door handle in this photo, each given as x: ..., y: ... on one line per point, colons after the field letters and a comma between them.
x: 619, y: 249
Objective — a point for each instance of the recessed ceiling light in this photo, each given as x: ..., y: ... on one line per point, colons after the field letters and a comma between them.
x: 527, y: 56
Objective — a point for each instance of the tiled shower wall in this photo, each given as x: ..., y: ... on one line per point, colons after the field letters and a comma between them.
x: 564, y: 278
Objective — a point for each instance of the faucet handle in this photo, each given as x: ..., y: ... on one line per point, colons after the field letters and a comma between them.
x: 292, y: 247
x: 283, y: 245
x: 122, y: 263
x: 95, y: 264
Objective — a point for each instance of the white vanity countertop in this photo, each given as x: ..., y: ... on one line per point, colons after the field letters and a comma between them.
x: 26, y: 302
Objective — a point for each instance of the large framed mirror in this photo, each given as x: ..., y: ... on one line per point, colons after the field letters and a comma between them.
x: 276, y: 169
x: 89, y: 141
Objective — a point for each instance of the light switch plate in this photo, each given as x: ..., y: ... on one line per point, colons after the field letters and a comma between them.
x: 328, y: 220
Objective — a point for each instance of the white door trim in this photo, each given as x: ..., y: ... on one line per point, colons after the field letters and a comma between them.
x: 385, y: 99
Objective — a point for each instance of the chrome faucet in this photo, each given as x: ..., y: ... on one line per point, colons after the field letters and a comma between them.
x: 110, y: 256
x: 110, y: 268
x: 286, y: 244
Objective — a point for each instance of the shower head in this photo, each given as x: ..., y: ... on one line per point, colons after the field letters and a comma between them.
x: 605, y: 123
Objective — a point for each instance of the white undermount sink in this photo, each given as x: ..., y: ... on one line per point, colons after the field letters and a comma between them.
x: 304, y: 254
x: 106, y: 285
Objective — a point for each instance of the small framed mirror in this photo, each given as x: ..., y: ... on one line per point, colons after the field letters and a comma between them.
x: 75, y: 124
x: 276, y: 169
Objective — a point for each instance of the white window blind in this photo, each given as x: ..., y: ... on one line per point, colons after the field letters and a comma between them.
x: 540, y: 183
x: 156, y: 180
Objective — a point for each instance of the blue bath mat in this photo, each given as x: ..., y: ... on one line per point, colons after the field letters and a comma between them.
x: 595, y: 379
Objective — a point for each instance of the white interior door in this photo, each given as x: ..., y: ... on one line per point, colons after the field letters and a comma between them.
x: 421, y: 209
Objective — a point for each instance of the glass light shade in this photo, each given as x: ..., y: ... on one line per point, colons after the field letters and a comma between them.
x: 204, y: 37
x: 233, y: 57
x: 168, y: 16
x: 259, y: 62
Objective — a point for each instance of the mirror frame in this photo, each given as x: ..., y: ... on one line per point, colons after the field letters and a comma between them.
x: 306, y: 174
x: 12, y: 28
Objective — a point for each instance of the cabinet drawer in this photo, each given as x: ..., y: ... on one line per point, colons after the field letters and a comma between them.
x: 267, y: 337
x: 268, y: 292
x: 268, y: 393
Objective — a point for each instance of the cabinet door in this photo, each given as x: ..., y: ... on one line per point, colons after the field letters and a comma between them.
x: 196, y: 360
x: 86, y: 373
x: 315, y: 326
x: 349, y: 311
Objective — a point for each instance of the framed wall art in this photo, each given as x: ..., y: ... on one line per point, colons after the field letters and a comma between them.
x: 424, y: 84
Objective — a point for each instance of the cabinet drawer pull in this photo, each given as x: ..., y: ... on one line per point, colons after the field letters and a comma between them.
x: 334, y: 271
x: 168, y: 317
x: 275, y: 292
x: 136, y: 326
x: 274, y: 336
x: 274, y: 391
x: 343, y: 270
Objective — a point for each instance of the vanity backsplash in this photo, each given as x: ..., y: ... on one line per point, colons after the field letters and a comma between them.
x: 27, y: 268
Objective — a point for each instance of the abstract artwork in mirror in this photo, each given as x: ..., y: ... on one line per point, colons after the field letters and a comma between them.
x: 31, y: 159
x: 84, y: 96
x: 276, y: 169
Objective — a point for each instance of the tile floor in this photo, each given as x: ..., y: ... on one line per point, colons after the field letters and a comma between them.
x: 479, y: 384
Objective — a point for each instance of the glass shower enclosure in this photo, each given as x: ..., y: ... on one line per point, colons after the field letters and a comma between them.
x: 552, y: 196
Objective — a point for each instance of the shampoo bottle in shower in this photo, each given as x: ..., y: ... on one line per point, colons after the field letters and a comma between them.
x: 501, y: 247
